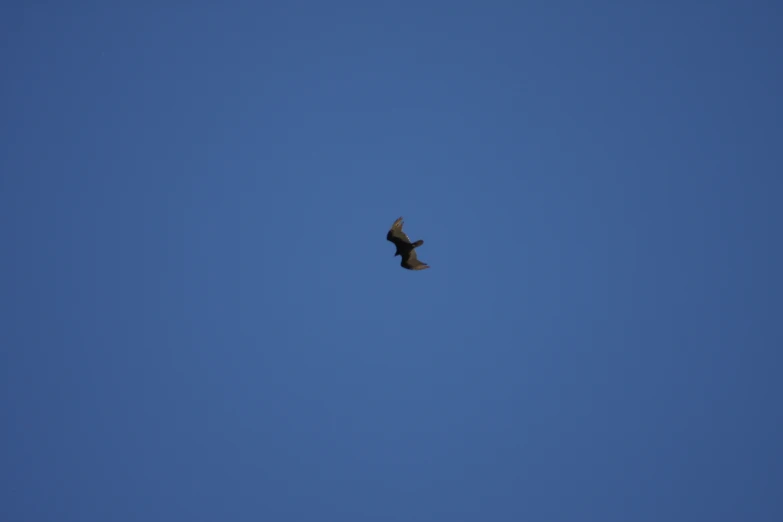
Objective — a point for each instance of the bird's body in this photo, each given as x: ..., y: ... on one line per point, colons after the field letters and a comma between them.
x: 405, y: 248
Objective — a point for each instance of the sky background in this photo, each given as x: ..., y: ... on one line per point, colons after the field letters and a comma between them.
x: 201, y: 318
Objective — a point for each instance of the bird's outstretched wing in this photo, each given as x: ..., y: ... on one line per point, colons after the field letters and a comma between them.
x: 412, y: 262
x: 396, y: 235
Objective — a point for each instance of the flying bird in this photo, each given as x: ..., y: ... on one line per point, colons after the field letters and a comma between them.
x: 405, y: 248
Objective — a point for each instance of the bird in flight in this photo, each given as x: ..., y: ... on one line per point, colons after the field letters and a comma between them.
x: 405, y: 248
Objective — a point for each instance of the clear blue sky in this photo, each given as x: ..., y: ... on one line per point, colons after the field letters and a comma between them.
x: 202, y: 319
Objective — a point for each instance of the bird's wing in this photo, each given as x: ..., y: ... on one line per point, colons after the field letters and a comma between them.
x: 412, y: 262
x: 396, y: 235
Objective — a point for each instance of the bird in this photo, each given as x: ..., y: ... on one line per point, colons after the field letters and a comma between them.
x: 405, y: 248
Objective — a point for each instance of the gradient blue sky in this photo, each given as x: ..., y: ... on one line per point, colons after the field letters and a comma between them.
x: 202, y: 319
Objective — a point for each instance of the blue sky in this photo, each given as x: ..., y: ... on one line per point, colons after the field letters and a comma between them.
x: 202, y: 319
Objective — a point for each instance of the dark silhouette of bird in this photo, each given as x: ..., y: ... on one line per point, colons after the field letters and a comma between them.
x: 405, y: 248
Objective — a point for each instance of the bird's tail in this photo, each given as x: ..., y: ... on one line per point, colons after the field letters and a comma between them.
x: 417, y: 243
